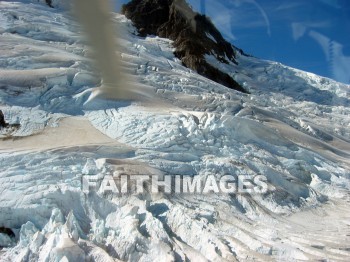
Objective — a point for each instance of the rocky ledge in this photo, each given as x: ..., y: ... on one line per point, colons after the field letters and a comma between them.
x: 2, y: 120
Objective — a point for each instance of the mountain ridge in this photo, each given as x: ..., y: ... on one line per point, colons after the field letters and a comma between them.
x: 194, y: 35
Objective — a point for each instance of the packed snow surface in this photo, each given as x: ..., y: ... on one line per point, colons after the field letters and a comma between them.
x: 294, y: 129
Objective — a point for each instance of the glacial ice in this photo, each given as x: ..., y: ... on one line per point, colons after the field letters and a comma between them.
x: 293, y: 129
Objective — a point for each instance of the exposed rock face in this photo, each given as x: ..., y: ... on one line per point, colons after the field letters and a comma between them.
x: 2, y: 124
x: 194, y: 35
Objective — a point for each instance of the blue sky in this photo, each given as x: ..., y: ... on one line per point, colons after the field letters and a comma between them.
x: 312, y: 35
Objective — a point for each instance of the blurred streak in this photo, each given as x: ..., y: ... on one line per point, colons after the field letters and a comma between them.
x: 228, y: 15
x: 238, y: 3
x: 332, y: 3
x: 95, y: 17
x: 264, y: 15
x: 339, y: 63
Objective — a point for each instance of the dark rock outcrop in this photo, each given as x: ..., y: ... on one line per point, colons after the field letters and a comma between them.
x: 194, y: 35
x: 49, y: 3
x: 2, y: 120
x: 10, y: 234
x: 7, y: 231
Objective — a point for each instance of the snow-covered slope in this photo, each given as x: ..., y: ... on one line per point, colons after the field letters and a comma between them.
x: 293, y: 129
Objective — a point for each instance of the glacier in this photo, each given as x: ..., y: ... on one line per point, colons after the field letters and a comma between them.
x: 293, y: 128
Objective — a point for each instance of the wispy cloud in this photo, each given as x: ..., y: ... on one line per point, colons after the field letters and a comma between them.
x: 298, y: 30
